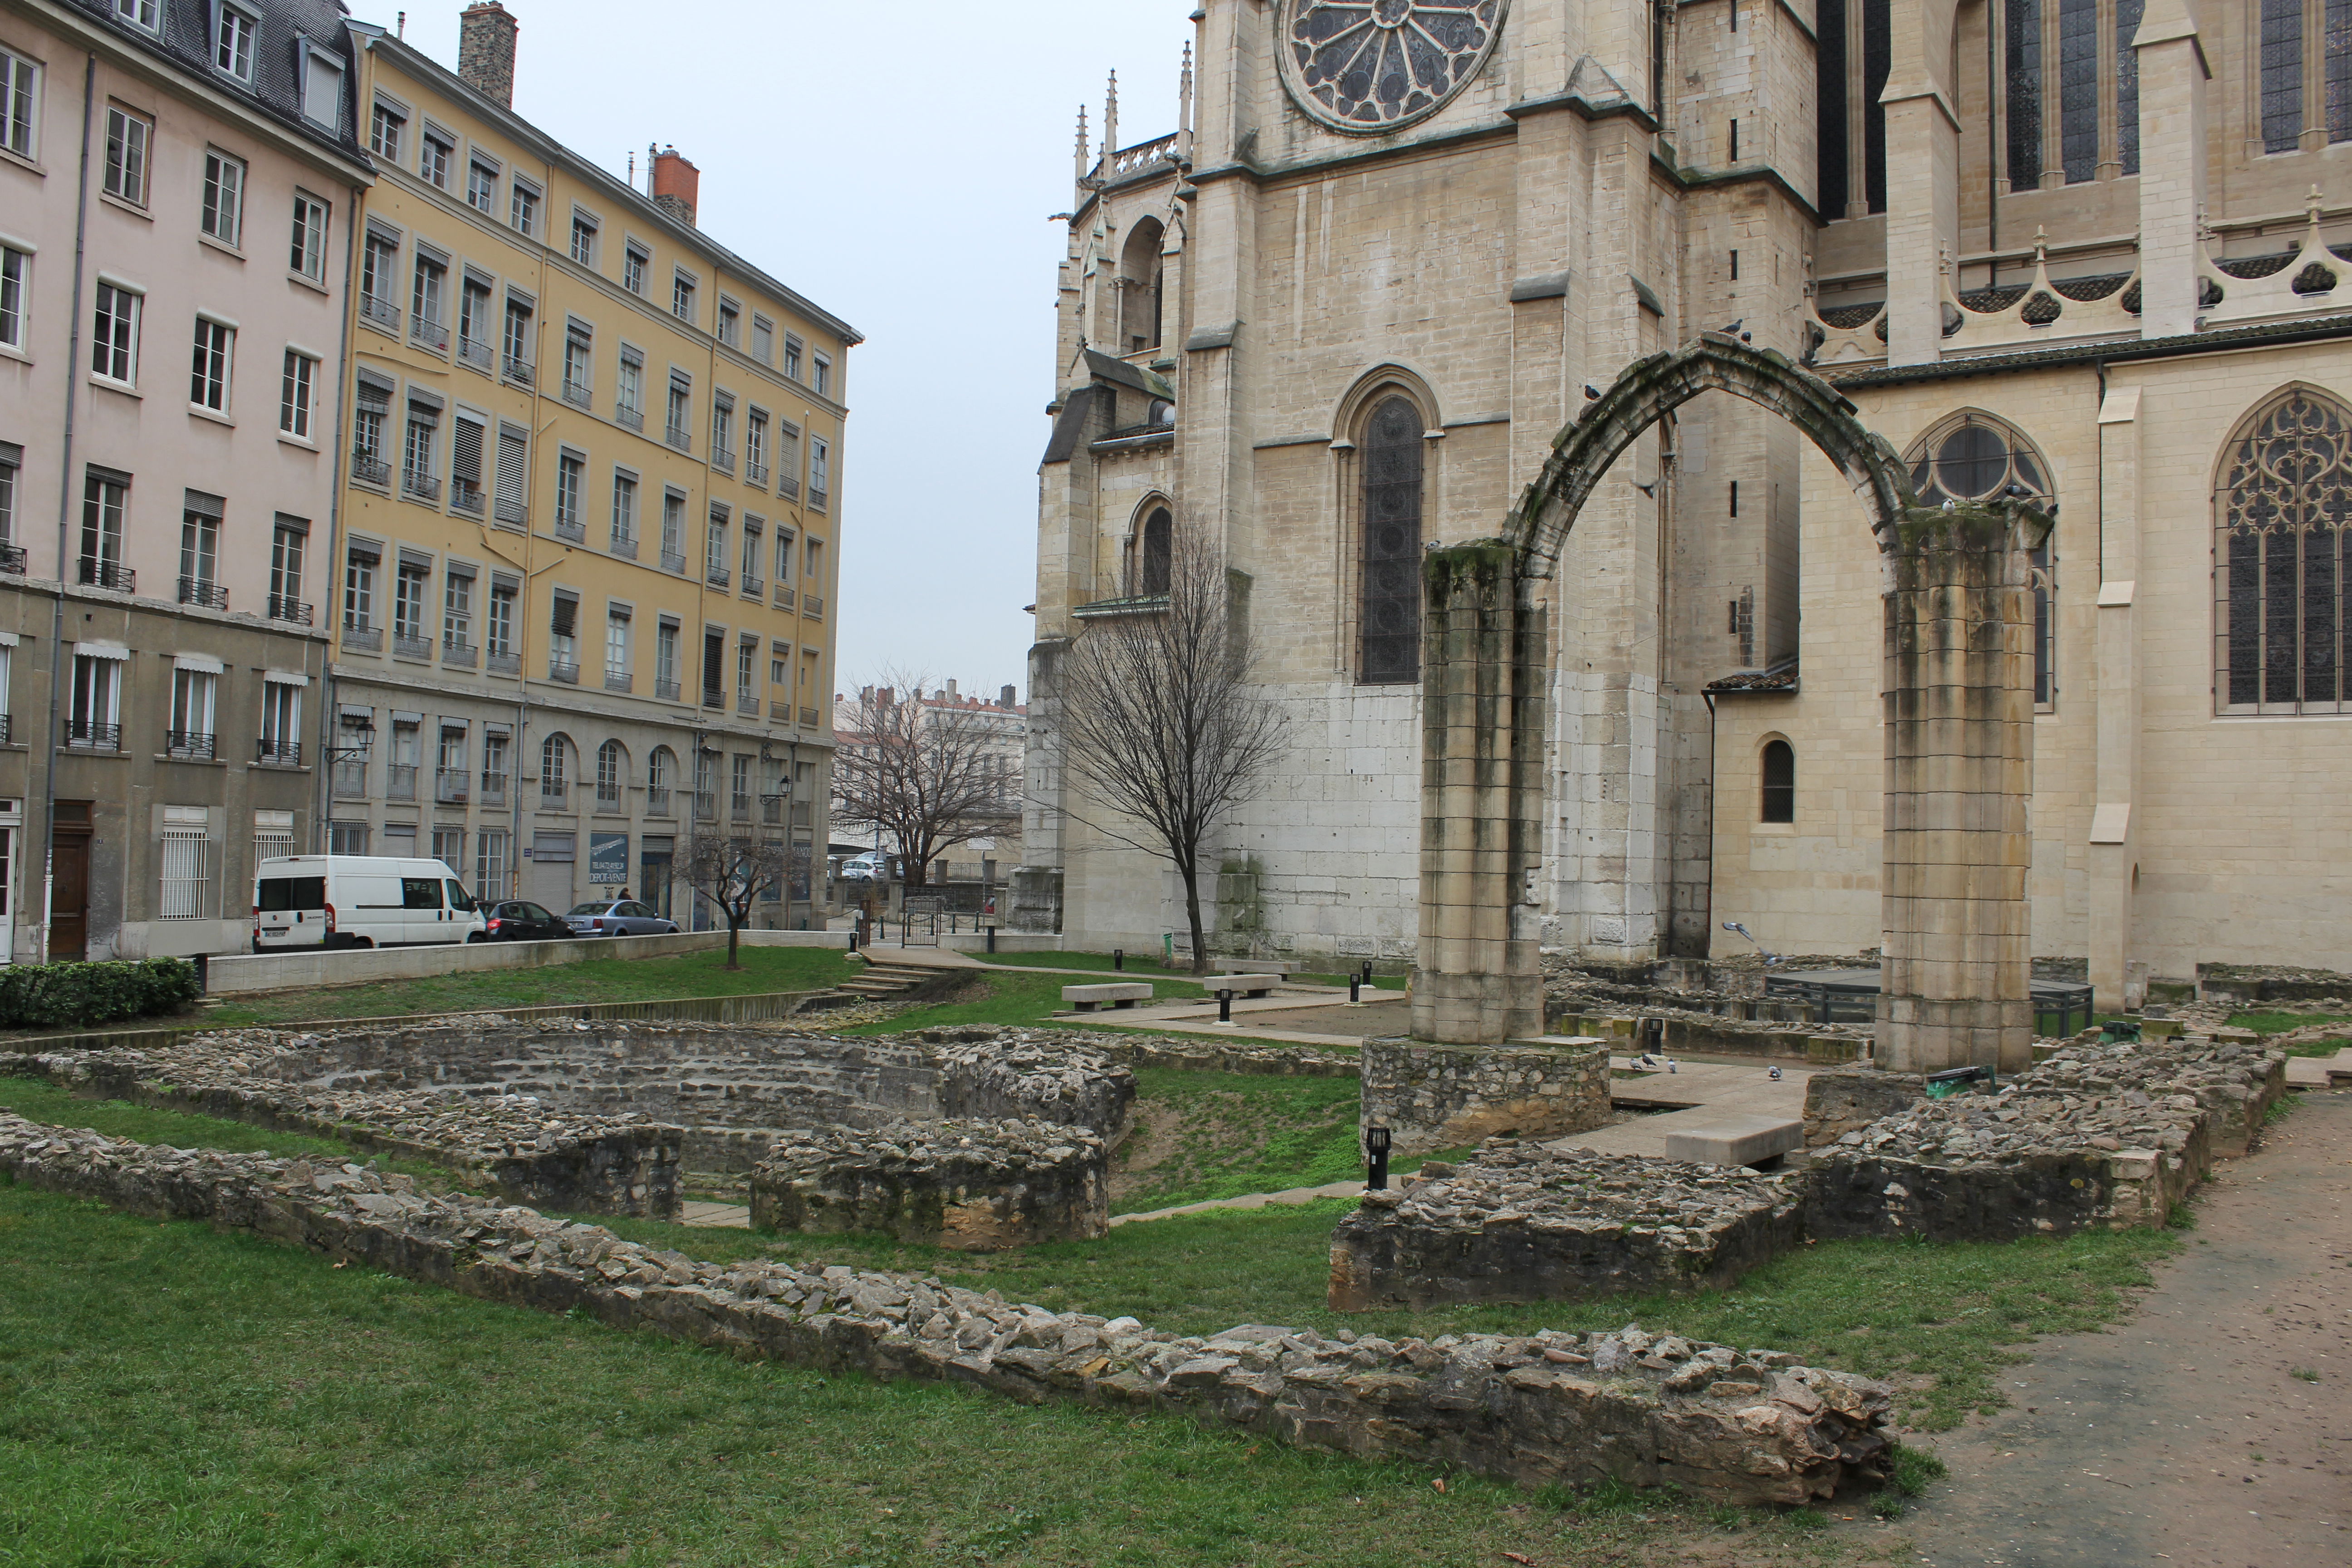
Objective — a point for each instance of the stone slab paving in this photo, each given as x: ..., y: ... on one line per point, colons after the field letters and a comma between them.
x: 715, y: 1217
x: 1707, y: 1093
x: 1252, y: 1201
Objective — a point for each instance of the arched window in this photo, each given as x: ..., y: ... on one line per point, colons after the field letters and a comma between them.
x: 1389, y: 594
x: 661, y: 777
x: 1973, y: 457
x: 1139, y: 277
x: 554, y: 770
x: 1780, y: 803
x: 1155, y: 552
x: 2284, y: 513
x: 612, y: 774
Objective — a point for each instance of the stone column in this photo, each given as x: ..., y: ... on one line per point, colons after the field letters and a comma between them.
x: 2113, y: 843
x: 1482, y: 643
x: 1958, y: 722
x: 1923, y: 180
x: 2172, y: 76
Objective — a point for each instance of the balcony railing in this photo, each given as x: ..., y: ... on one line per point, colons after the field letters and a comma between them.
x: 564, y: 669
x: 461, y: 654
x: 358, y: 638
x: 278, y: 753
x: 625, y: 546
x: 780, y: 708
x: 379, y: 312
x: 411, y: 647
x: 191, y: 745
x: 671, y: 561
x: 755, y: 473
x: 754, y: 586
x: 423, y: 486
x: 657, y: 800
x: 83, y: 735
x: 812, y: 606
x: 634, y: 418
x: 817, y: 500
x: 367, y: 468
x: 722, y: 459
x: 494, y: 788
x: 465, y: 496
x: 706, y: 805
x: 747, y: 703
x: 808, y: 718
x: 97, y: 574
x: 11, y: 559
x: 450, y: 785
x: 430, y: 333
x: 772, y: 810
x: 718, y: 575
x: 197, y: 591
x: 292, y: 611
x: 554, y: 795
x: 784, y: 597
x: 788, y: 487
x: 351, y: 780
x: 476, y: 353
x: 511, y: 512
x: 713, y: 697
x: 608, y: 798
x: 400, y: 780
x: 572, y: 531
x: 518, y: 371
x: 740, y: 804
x: 681, y: 439
x: 577, y: 394
x: 619, y: 680
x: 496, y: 663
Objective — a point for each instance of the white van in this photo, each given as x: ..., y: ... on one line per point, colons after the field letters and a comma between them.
x: 360, y: 901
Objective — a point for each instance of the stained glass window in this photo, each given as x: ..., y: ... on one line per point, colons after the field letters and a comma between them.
x: 2285, y: 520
x: 2022, y: 24
x: 1391, y: 559
x: 2338, y: 52
x: 2127, y: 15
x: 1973, y: 458
x: 1378, y: 65
x: 1830, y: 68
x: 2281, y: 67
x: 2078, y: 89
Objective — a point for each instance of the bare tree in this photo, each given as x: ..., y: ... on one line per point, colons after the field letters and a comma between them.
x: 927, y: 773
x: 733, y: 873
x: 1158, y: 723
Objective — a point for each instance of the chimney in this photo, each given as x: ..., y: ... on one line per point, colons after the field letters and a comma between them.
x: 1004, y: 698
x: 675, y: 185
x: 952, y: 691
x: 486, y: 51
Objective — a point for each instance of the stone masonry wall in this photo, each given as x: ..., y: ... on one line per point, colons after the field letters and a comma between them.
x: 1447, y: 1097
x: 1732, y: 1425
x: 974, y: 1186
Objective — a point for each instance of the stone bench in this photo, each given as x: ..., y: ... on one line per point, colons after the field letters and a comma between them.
x: 1123, y: 994
x: 1735, y: 1140
x: 1241, y: 985
x: 1278, y: 968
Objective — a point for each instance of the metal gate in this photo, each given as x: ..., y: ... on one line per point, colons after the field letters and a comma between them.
x: 919, y: 921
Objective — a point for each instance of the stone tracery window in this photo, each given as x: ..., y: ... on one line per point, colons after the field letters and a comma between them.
x: 1389, y: 592
x: 2283, y: 510
x: 1155, y: 552
x: 1382, y: 65
x: 1973, y: 457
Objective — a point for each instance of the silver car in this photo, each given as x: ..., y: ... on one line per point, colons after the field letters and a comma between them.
x: 619, y: 916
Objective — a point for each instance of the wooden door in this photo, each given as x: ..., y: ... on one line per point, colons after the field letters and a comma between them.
x: 69, y: 897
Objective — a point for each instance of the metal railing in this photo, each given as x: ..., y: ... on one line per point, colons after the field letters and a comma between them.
x: 476, y: 353
x: 367, y: 468
x: 755, y: 473
x: 747, y: 703
x: 713, y: 697
x: 812, y: 606
x: 554, y: 795
x: 465, y: 496
x: 292, y: 611
x: 817, y: 499
x: 575, y: 532
x: 400, y: 780
x: 619, y: 680
x: 577, y: 394
x: 191, y: 745
x: 681, y: 439
x: 788, y: 487
x: 784, y: 597
x: 81, y: 734
x: 634, y: 419
x: 666, y: 691
x: 280, y: 753
x: 423, y: 486
x: 430, y: 333
x: 13, y: 560
x: 511, y: 511
x: 607, y: 799
x: 496, y: 663
x: 657, y: 800
x: 706, y: 805
x: 808, y: 718
x: 780, y: 708
x: 671, y: 561
x: 625, y: 546
x: 754, y: 586
x: 494, y: 787
x: 98, y: 574
x: 451, y: 785
x: 722, y: 459
x: 411, y: 647
x: 197, y: 591
x: 717, y: 575
x: 772, y: 810
x: 564, y: 669
x: 461, y: 654
x: 351, y: 780
x: 379, y: 312
x: 740, y: 804
x: 362, y: 638
x: 518, y: 371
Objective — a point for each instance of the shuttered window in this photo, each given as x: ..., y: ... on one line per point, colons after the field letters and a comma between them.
x: 466, y: 465
x: 513, y: 455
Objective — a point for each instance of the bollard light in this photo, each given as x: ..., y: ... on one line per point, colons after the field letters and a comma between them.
x: 991, y: 938
x: 1118, y: 958
x: 1368, y: 971
x: 1355, y: 991
x: 1224, y: 1006
x: 1376, y: 1152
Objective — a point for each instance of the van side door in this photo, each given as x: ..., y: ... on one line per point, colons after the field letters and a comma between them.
x: 425, y: 918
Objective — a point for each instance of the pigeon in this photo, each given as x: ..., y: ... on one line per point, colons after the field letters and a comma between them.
x: 1590, y: 392
x: 1951, y: 506
x: 1733, y: 330
x: 1673, y: 1065
x: 2017, y: 491
x: 1776, y: 1075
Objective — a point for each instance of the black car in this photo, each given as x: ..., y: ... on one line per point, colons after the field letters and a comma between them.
x: 519, y: 919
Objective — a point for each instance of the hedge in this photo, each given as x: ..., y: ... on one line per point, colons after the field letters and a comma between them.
x: 46, y: 996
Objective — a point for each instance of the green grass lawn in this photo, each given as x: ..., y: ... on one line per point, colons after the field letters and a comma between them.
x: 1010, y: 999
x: 37, y: 1099
x: 1220, y: 1135
x: 595, y: 980
x: 169, y: 1395
x: 2268, y: 1023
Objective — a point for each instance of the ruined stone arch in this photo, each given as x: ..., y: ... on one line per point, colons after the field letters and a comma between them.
x: 1649, y: 389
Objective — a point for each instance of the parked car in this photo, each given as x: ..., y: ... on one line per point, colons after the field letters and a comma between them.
x: 619, y: 917
x: 360, y: 901
x: 519, y: 919
x: 873, y: 868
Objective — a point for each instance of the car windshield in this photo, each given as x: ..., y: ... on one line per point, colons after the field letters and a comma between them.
x: 590, y: 908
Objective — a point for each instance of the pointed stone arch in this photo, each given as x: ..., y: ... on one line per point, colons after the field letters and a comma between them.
x: 1957, y: 714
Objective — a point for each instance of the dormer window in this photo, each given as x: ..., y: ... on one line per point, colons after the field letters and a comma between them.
x: 232, y: 44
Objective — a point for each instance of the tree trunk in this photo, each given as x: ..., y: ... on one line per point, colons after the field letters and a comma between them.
x: 734, y: 936
x: 1192, y: 875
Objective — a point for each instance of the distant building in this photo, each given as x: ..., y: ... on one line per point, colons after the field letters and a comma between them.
x: 1001, y: 729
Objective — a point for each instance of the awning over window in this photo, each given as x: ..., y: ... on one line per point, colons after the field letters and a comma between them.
x: 202, y: 663
x: 100, y: 651
x: 284, y: 678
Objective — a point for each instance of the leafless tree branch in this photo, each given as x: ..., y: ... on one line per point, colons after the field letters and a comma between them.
x: 733, y: 873
x: 926, y: 775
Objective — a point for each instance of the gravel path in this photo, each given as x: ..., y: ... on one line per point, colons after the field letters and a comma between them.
x: 2184, y: 1435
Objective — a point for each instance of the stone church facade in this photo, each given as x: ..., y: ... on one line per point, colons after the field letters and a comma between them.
x: 2096, y: 252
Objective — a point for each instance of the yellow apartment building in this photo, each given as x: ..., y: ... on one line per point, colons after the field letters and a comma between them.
x: 588, y: 535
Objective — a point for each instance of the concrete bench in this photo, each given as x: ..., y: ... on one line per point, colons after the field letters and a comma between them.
x: 1241, y: 985
x: 1735, y: 1140
x: 1278, y: 968
x: 1124, y: 993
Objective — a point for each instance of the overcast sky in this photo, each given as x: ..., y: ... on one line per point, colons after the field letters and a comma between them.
x: 896, y: 163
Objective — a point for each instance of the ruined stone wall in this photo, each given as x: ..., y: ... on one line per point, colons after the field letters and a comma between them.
x: 1837, y: 1103
x: 1538, y: 1409
x: 1447, y: 1097
x: 972, y: 1185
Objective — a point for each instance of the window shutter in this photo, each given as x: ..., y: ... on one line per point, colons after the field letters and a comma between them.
x: 566, y: 615
x: 510, y: 466
x: 466, y: 455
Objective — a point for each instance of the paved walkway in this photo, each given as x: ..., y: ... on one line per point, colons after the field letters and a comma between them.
x: 715, y: 1217
x: 1697, y: 1094
x: 1251, y: 1201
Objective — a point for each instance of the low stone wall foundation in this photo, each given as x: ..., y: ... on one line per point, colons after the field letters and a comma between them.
x: 975, y: 1186
x: 1451, y: 1097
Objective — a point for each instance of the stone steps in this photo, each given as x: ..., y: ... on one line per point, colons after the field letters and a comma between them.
x: 877, y: 983
x: 2320, y: 1072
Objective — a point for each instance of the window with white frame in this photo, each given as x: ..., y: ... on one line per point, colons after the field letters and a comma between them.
x: 457, y: 608
x: 128, y: 136
x: 497, y: 638
x: 144, y: 13
x: 617, y: 643
x: 419, y: 467
x: 520, y: 357
x: 208, y: 376
x: 187, y: 864
x: 666, y: 658
x: 563, y: 635
x: 482, y: 186
x: 508, y: 501
x: 824, y: 376
x: 297, y: 394
x: 20, y: 102
x: 625, y: 511
x: 673, y: 538
x: 16, y: 283
x: 379, y: 279
x: 681, y: 296
x: 200, y: 529
x: 629, y: 389
x: 491, y: 882
x: 194, y: 693
x: 347, y: 837
x: 634, y: 262
x: 715, y: 546
x: 474, y: 321
x: 524, y: 209
x: 722, y: 432
x: 754, y: 539
x: 788, y: 460
x: 731, y: 323
x: 792, y: 357
x: 755, y: 447
x: 568, y: 472
x: 232, y: 44
x: 763, y: 340
x: 612, y: 774
x: 96, y: 718
x: 359, y: 589
x: 322, y: 86
x: 411, y: 583
x: 224, y: 197
x: 428, y: 295
x: 450, y: 843
x: 11, y: 461
x: 676, y: 430
x: 583, y: 239
x: 308, y: 253
x: 433, y: 152
x: 105, y: 496
x: 281, y: 728
x: 746, y: 670
x: 287, y: 543
x: 579, y: 363
x: 820, y: 470
x: 385, y: 131
x: 813, y: 572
